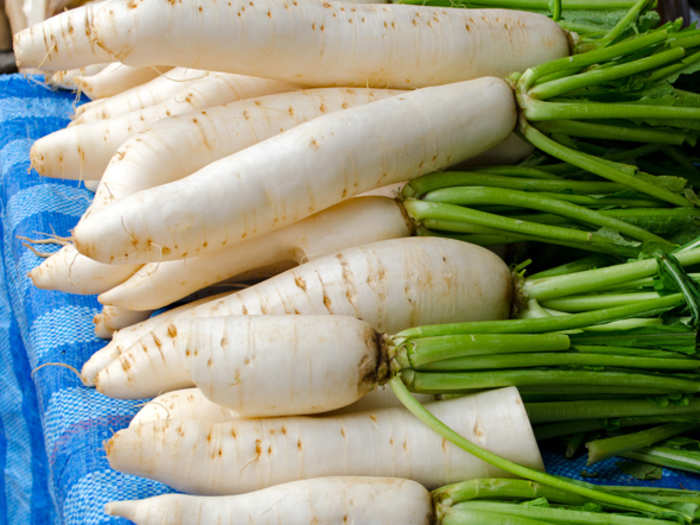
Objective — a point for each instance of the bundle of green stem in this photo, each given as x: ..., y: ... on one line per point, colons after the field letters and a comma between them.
x: 509, y: 204
x: 519, y: 502
x: 587, y: 20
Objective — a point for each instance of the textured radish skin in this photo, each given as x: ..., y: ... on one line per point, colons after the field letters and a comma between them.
x: 117, y: 78
x: 264, y: 366
x: 313, y: 43
x: 304, y: 170
x: 188, y: 403
x: 390, y: 284
x: 244, y: 455
x: 69, y: 271
x: 173, y: 84
x: 319, y: 501
x: 354, y: 222
x: 179, y: 146
x: 113, y: 318
x: 83, y: 150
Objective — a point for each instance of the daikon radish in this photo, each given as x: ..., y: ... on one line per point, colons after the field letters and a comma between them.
x: 319, y: 363
x: 113, y: 318
x: 166, y: 86
x: 351, y: 223
x: 313, y: 43
x: 188, y: 403
x: 244, y: 455
x: 179, y: 146
x: 306, y: 169
x: 66, y: 79
x: 82, y: 151
x: 117, y: 77
x: 69, y: 271
x: 320, y: 501
x: 391, y: 285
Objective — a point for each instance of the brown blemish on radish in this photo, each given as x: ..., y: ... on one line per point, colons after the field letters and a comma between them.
x: 172, y: 330
x: 299, y: 444
x: 299, y: 281
x: 258, y: 448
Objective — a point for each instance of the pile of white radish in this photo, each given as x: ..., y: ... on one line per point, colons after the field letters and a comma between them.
x: 391, y: 285
x: 247, y: 160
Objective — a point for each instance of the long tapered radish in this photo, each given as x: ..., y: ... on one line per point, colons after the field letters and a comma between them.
x: 116, y: 78
x: 188, y: 403
x: 69, y: 271
x: 170, y: 84
x: 83, y: 151
x: 354, y: 222
x: 320, y: 501
x: 245, y: 455
x: 66, y: 79
x: 308, y: 168
x: 308, y: 42
x: 390, y: 284
x: 113, y: 318
x: 179, y: 146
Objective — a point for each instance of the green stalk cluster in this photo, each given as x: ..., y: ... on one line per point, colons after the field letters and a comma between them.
x: 514, y: 501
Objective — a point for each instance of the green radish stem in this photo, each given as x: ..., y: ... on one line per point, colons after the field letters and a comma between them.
x: 544, y: 515
x: 552, y: 430
x: 478, y: 195
x: 559, y: 411
x: 544, y: 324
x: 600, y: 449
x: 459, y: 218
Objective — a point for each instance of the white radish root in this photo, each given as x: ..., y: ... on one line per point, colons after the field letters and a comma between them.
x: 391, y: 285
x: 313, y: 43
x: 245, y: 455
x: 83, y: 151
x: 66, y: 79
x: 179, y: 146
x: 170, y: 84
x: 113, y: 318
x: 306, y: 169
x: 69, y: 271
x: 320, y: 501
x: 188, y: 403
x: 261, y: 366
x: 354, y: 222
x: 116, y: 78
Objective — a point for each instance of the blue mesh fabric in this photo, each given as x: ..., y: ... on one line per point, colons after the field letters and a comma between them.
x: 52, y: 464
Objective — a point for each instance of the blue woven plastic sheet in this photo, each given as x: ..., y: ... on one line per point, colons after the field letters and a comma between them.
x: 52, y: 464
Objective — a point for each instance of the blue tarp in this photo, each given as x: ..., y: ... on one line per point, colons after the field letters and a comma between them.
x: 52, y: 465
